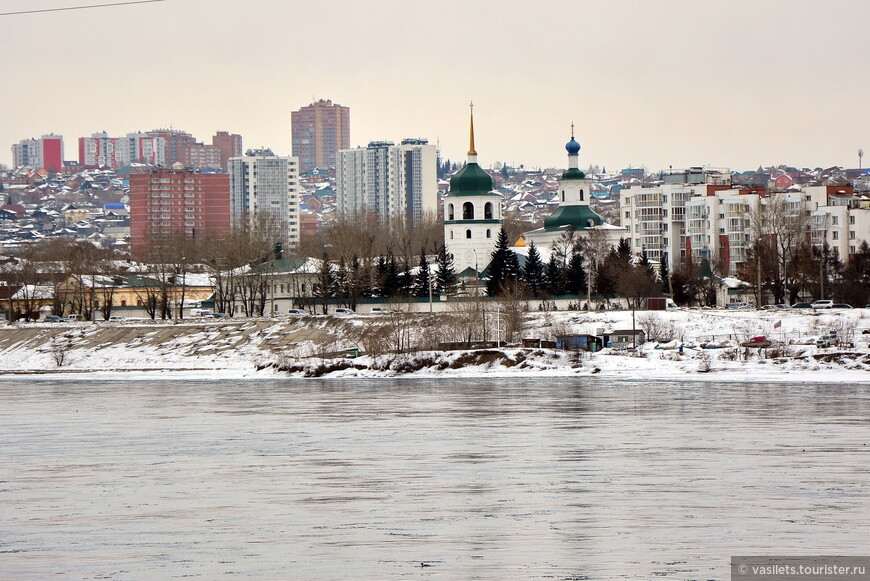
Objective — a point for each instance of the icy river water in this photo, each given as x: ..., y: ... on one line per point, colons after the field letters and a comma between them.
x: 476, y: 479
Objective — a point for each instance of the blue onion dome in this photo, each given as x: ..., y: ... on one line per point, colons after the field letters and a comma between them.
x: 572, y: 147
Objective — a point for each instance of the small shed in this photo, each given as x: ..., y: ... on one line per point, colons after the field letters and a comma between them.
x: 624, y: 338
x: 579, y: 342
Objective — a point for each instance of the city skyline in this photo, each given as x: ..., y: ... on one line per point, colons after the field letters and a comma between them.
x: 654, y: 85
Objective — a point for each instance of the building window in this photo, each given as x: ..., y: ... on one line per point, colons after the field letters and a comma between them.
x: 851, y: 220
x: 468, y: 233
x: 563, y: 195
x: 487, y: 212
x: 628, y: 214
x: 488, y: 233
x: 451, y: 234
x: 835, y: 235
x: 851, y: 234
x: 581, y: 194
x: 468, y: 212
x: 835, y: 220
x: 450, y: 211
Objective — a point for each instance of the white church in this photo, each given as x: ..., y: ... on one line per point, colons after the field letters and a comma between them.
x: 473, y: 212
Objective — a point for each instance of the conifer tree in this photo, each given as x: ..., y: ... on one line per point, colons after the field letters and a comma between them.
x: 665, y: 273
x: 325, y: 283
x: 533, y: 273
x: 554, y: 277
x: 504, y: 266
x: 575, y: 275
x: 421, y: 281
x: 445, y: 276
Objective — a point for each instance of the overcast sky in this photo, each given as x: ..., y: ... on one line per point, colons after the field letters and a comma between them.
x: 729, y: 83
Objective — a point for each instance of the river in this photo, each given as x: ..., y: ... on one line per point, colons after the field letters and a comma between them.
x: 426, y: 478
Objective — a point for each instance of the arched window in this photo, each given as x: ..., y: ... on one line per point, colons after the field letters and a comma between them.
x: 563, y: 195
x: 581, y: 194
x: 450, y: 211
x: 468, y: 233
x: 468, y: 211
x: 123, y: 302
x: 451, y: 234
x: 488, y: 233
x: 487, y: 211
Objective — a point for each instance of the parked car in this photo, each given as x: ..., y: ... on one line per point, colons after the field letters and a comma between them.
x: 737, y: 305
x: 220, y: 316
x: 801, y: 306
x: 53, y: 319
x: 822, y: 304
x: 841, y: 306
x: 379, y: 310
x: 827, y: 339
x: 296, y: 312
x: 782, y: 306
x: 200, y: 313
x: 768, y: 307
x: 344, y: 311
x: 116, y: 318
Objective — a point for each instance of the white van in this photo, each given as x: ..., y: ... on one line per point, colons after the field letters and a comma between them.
x: 201, y: 313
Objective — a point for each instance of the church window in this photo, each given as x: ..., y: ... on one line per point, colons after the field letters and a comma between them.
x: 488, y: 233
x: 451, y: 234
x: 468, y: 233
x: 581, y: 194
x: 563, y: 195
x: 468, y: 211
x: 450, y: 212
x: 487, y: 212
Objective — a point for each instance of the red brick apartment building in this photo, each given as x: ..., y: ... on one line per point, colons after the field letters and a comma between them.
x: 165, y: 202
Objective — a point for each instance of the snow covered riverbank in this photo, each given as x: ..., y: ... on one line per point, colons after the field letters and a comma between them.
x: 314, y: 347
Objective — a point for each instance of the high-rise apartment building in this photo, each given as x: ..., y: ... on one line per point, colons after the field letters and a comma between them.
x: 387, y: 180
x: 229, y: 144
x: 43, y: 153
x: 181, y: 147
x: 318, y: 132
x: 116, y: 152
x: 264, y: 185
x: 165, y: 203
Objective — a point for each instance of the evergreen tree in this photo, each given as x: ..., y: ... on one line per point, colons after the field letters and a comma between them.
x: 533, y: 273
x: 421, y: 281
x: 445, y: 276
x: 504, y: 266
x: 575, y: 275
x: 554, y: 277
x: 341, y: 282
x: 391, y: 282
x: 646, y: 264
x: 608, y: 273
x: 380, y: 277
x: 665, y: 273
x: 325, y: 283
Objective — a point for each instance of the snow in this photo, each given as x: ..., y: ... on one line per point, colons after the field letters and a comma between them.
x: 259, y: 348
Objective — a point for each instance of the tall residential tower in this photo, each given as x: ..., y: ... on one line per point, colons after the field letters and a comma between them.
x: 318, y: 132
x: 387, y: 180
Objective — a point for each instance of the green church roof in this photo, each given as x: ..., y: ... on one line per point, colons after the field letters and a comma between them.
x: 577, y: 216
x: 470, y: 181
x: 573, y: 174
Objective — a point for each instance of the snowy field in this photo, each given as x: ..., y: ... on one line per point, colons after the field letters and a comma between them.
x: 711, y: 342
